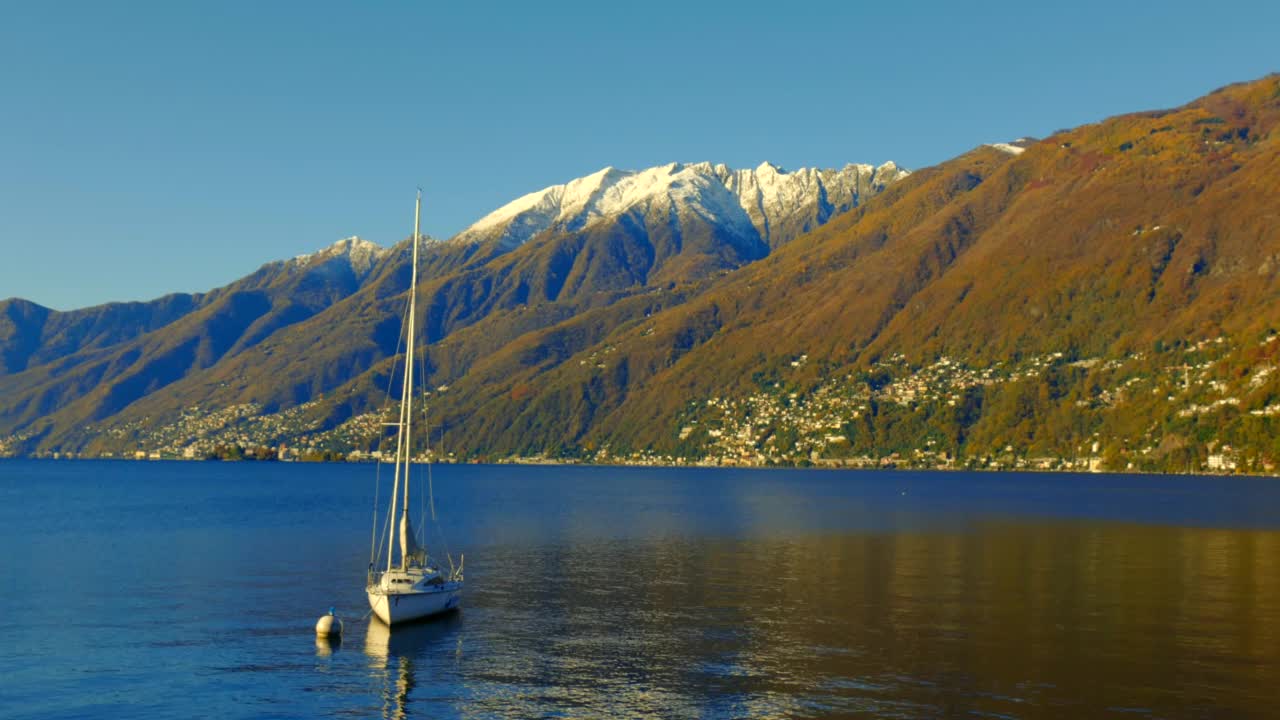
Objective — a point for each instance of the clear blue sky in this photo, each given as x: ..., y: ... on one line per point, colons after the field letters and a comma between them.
x: 151, y: 147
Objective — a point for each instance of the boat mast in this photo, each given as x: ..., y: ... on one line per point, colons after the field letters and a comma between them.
x: 408, y: 384
x: 404, y: 449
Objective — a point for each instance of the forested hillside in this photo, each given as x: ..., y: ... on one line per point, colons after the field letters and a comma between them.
x: 1104, y: 297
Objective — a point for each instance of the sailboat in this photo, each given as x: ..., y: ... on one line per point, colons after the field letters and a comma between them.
x: 412, y: 586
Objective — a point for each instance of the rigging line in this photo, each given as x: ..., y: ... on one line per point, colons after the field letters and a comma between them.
x: 384, y: 537
x: 435, y: 526
x: 426, y: 422
x: 437, y: 532
x: 385, y: 524
x: 375, y: 547
x: 422, y: 359
x: 373, y: 530
x: 431, y: 493
x: 404, y: 447
x: 445, y: 546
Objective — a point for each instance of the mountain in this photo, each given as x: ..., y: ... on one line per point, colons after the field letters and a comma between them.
x: 767, y: 204
x: 31, y: 335
x: 87, y: 365
x: 1105, y: 297
x: 298, y: 329
x: 1113, y: 285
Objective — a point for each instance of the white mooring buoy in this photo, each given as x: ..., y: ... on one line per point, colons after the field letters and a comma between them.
x: 329, y: 625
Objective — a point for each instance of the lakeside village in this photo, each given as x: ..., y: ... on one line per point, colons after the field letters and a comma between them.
x: 1173, y: 410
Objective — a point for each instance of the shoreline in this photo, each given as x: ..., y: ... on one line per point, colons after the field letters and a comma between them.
x: 547, y: 462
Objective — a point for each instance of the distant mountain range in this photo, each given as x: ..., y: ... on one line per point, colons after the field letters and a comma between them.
x: 1105, y: 297
x: 299, y: 328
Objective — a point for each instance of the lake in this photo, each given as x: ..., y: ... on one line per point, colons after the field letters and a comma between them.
x: 192, y: 589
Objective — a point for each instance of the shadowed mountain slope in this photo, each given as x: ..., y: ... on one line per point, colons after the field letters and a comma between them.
x: 106, y: 358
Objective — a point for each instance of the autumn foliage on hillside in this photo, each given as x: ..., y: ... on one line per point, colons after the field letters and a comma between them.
x: 1155, y: 229
x: 1110, y: 293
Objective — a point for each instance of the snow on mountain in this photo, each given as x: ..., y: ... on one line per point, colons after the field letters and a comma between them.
x: 769, y: 194
x: 360, y: 253
x: 760, y: 198
x: 1015, y: 147
x: 1006, y: 147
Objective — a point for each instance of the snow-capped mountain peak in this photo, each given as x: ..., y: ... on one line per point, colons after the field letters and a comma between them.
x: 360, y: 253
x: 759, y: 198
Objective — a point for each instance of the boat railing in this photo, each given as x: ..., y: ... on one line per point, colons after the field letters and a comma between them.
x: 374, y: 577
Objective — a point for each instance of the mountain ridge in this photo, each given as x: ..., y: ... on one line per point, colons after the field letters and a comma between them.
x: 234, y: 331
x: 1107, y: 297
x: 715, y: 191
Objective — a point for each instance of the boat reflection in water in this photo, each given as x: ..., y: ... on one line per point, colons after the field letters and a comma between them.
x: 396, y: 657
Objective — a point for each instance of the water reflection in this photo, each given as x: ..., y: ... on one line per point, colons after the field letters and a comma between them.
x: 1044, y: 620
x: 1009, y: 619
x: 396, y: 657
x: 643, y: 593
x: 328, y: 645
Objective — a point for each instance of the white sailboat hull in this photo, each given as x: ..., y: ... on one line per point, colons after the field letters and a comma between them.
x: 397, y: 607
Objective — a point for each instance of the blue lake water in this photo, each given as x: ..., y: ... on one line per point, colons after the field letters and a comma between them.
x: 191, y: 590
